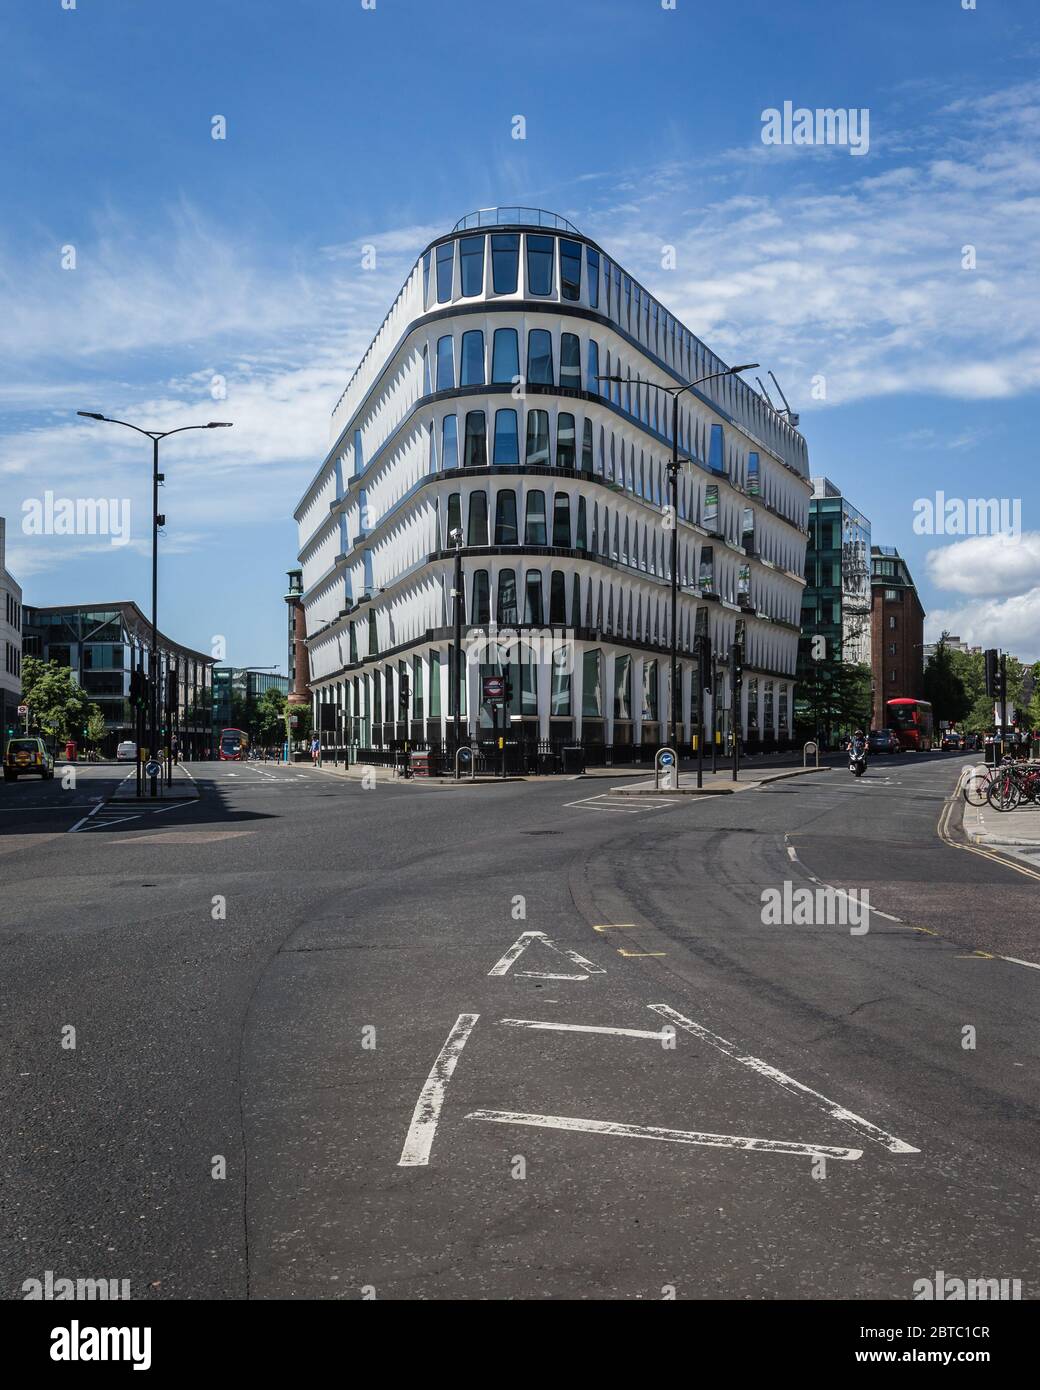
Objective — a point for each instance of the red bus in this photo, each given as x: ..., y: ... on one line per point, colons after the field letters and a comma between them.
x: 912, y: 721
x: 233, y: 745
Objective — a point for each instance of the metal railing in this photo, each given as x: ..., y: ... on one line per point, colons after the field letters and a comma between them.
x: 514, y: 217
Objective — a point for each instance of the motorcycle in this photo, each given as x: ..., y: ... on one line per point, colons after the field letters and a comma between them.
x: 857, y: 759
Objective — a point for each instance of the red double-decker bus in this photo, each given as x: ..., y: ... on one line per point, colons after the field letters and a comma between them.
x: 233, y: 745
x: 912, y: 721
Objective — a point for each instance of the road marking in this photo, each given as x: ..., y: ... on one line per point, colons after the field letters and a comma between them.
x: 665, y: 1034
x: 673, y: 1136
x: 787, y: 1083
x: 521, y: 944
x: 943, y: 831
x: 546, y: 975
x: 792, y: 854
x: 617, y: 926
x: 632, y: 955
x: 419, y: 1139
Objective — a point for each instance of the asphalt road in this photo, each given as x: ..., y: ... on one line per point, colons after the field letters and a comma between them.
x: 307, y: 1065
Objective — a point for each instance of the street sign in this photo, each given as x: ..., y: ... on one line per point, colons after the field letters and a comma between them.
x: 667, y: 759
x: 152, y: 769
x: 23, y: 710
x: 494, y: 688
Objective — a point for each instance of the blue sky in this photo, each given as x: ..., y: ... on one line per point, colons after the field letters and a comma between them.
x: 241, y: 258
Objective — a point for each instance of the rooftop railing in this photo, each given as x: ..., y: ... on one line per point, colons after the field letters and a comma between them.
x: 514, y: 217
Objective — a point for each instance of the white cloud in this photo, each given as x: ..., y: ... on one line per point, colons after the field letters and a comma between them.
x: 1011, y: 623
x: 987, y: 564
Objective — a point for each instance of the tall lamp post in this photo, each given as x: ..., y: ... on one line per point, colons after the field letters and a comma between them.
x: 455, y: 676
x: 675, y: 391
x: 157, y: 478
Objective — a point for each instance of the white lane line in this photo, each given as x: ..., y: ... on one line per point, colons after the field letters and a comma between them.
x: 503, y: 966
x: 788, y: 1083
x: 546, y: 975
x: 665, y: 1034
x: 1013, y: 960
x: 673, y: 1136
x: 419, y: 1139
x: 792, y: 854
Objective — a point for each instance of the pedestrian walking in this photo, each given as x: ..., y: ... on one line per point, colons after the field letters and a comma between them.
x: 315, y: 749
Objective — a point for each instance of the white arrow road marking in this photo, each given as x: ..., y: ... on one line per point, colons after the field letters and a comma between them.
x: 521, y: 944
x: 419, y: 1139
x: 665, y: 1034
x: 788, y: 1083
x: 672, y: 1136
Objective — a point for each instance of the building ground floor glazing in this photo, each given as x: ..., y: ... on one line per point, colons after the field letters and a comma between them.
x: 566, y: 688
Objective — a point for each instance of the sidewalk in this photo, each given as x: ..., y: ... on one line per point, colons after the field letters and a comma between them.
x: 1016, y: 833
x: 718, y: 783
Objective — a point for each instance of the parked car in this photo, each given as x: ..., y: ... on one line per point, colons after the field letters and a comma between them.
x: 952, y: 741
x: 127, y: 752
x: 27, y: 756
x: 883, y: 741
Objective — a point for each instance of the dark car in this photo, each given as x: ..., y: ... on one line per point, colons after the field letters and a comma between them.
x: 883, y: 741
x: 952, y: 741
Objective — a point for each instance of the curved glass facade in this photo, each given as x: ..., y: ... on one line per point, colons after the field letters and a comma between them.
x: 479, y: 409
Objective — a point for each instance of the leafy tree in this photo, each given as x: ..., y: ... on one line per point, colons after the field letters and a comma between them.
x: 270, y: 715
x: 943, y: 688
x: 57, y: 705
x: 834, y: 698
x: 96, y: 730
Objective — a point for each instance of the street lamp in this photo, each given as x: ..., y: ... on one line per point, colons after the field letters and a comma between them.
x: 456, y: 675
x: 157, y: 478
x: 675, y: 391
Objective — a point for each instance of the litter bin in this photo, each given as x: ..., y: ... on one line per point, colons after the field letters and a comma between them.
x: 574, y: 759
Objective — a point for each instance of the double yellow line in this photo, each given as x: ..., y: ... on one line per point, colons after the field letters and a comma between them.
x: 943, y: 830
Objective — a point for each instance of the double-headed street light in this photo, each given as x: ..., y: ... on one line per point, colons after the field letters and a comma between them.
x: 157, y: 478
x: 675, y: 391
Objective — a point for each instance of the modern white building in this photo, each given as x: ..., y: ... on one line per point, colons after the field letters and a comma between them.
x: 10, y: 640
x: 478, y: 413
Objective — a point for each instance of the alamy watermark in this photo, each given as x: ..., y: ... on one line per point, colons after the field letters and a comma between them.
x: 967, y: 516
x: 59, y: 1289
x: 946, y: 1289
x: 822, y: 906
x: 847, y: 126
x: 77, y: 516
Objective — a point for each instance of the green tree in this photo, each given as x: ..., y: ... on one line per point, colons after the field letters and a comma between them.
x: 270, y: 715
x: 96, y: 730
x: 58, y: 707
x: 833, y: 699
x: 943, y: 688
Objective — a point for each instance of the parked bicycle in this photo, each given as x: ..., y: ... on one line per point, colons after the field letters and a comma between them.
x: 978, y: 782
x: 1013, y: 784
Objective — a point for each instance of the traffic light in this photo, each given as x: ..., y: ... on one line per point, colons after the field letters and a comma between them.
x: 405, y: 692
x: 992, y: 673
x: 736, y: 666
x: 507, y: 692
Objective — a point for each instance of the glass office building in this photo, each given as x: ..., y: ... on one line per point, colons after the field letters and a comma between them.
x: 102, y: 644
x: 836, y: 601
x: 479, y: 417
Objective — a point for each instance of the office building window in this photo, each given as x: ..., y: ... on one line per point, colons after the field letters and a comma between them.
x: 533, y: 598
x: 472, y: 366
x: 477, y: 533
x: 507, y: 614
x: 562, y: 520
x: 539, y: 264
x: 471, y: 265
x: 481, y: 610
x: 570, y: 269
x: 445, y: 363
x: 570, y: 362
x: 534, y: 529
x: 565, y: 444
x: 450, y: 442
x: 505, y: 358
x: 507, y: 448
x: 538, y: 437
x: 539, y: 357
x: 445, y: 265
x: 592, y: 274
x: 475, y: 455
x: 505, y: 518
x: 505, y: 252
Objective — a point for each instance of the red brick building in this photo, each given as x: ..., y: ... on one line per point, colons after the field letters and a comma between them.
x: 896, y: 631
